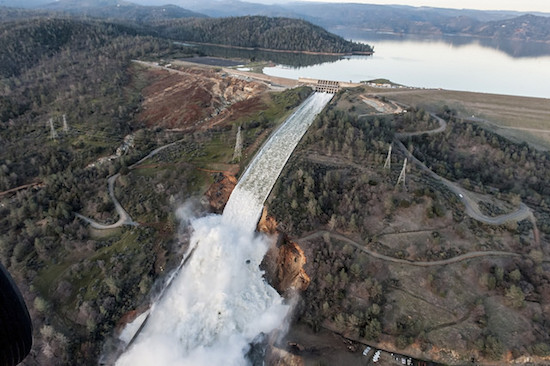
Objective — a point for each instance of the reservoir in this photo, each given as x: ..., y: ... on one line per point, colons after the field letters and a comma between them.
x: 466, y: 64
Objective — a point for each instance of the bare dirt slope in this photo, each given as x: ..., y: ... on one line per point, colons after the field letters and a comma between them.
x: 188, y: 97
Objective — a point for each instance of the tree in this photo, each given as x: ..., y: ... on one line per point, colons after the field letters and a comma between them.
x: 492, y: 347
x: 373, y: 329
x: 515, y: 297
x: 515, y: 275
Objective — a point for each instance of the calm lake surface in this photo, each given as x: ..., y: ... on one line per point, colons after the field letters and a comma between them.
x: 456, y: 64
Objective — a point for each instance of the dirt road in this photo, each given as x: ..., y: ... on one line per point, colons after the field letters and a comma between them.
x: 471, y: 206
x: 363, y: 248
x: 124, y: 217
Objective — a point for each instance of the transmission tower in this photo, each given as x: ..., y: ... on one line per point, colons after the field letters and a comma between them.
x: 65, y: 125
x: 52, y: 128
x: 387, y: 164
x: 238, y: 145
x: 402, y: 174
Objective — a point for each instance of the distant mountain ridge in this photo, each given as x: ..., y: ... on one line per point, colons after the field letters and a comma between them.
x: 386, y: 18
x: 396, y: 19
x: 528, y: 27
x: 117, y: 9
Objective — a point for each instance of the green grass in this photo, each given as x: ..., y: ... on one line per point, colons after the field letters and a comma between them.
x: 148, y: 171
x: 98, y: 234
x: 91, y: 279
x: 216, y: 150
x: 127, y: 241
x: 49, y: 275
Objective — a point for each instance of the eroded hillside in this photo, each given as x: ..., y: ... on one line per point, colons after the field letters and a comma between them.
x: 187, y: 97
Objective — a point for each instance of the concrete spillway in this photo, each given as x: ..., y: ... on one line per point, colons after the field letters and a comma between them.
x: 245, y: 204
x: 219, y: 302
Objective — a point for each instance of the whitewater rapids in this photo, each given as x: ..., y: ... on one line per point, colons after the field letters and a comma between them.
x: 219, y: 302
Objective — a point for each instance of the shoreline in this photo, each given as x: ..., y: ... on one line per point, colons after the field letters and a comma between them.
x: 438, y: 35
x: 357, y: 53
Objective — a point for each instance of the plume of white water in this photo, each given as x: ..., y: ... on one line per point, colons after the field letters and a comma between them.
x: 219, y: 302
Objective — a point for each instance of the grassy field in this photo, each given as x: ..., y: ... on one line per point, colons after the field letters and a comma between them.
x: 518, y: 118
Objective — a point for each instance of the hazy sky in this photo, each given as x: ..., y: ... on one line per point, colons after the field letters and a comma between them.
x: 519, y: 5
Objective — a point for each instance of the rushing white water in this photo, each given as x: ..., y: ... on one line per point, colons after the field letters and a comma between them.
x: 260, y: 176
x: 219, y: 302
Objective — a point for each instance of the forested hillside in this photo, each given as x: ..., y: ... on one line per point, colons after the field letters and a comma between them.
x: 25, y: 43
x: 53, y: 67
x: 79, y: 73
x: 399, y: 19
x: 405, y: 268
x: 259, y: 32
x: 120, y: 10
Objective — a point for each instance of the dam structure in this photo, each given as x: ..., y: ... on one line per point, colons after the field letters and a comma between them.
x: 327, y: 86
x: 219, y: 301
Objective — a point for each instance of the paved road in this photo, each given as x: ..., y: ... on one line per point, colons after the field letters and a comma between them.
x: 125, y: 218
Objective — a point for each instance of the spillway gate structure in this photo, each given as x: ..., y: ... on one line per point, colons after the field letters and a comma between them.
x: 323, y: 86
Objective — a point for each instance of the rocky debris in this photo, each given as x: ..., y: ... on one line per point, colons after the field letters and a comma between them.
x: 267, y: 224
x: 285, y: 260
x: 279, y: 357
x: 218, y: 193
x: 290, y: 268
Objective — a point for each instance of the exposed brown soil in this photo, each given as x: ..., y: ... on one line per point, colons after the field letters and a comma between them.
x: 220, y: 190
x: 196, y: 97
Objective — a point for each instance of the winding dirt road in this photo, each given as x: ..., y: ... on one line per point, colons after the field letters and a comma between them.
x: 471, y: 206
x: 363, y: 248
x: 124, y: 217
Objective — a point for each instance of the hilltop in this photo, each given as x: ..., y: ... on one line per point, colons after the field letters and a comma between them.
x: 120, y: 10
x: 262, y: 32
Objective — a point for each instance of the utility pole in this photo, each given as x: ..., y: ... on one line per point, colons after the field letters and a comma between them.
x: 52, y: 128
x: 238, y: 145
x: 402, y: 174
x: 387, y: 164
x: 65, y: 125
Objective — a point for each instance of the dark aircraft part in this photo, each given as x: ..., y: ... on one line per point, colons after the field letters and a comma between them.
x: 15, y: 322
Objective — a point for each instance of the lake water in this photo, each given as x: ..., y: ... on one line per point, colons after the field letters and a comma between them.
x: 455, y: 64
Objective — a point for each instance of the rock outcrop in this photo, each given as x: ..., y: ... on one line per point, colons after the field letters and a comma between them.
x: 284, y: 261
x: 290, y: 268
x: 267, y: 224
x: 218, y: 193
